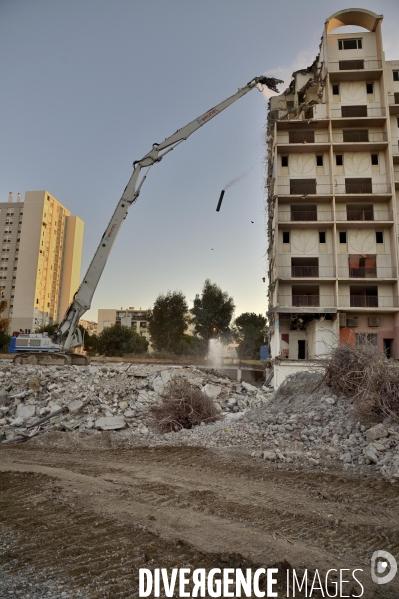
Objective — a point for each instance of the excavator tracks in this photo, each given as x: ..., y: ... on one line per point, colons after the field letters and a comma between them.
x: 50, y: 359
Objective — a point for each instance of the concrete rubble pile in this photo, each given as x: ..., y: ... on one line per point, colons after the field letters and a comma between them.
x: 113, y: 397
x: 303, y: 424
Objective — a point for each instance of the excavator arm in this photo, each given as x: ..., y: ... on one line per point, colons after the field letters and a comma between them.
x: 68, y: 334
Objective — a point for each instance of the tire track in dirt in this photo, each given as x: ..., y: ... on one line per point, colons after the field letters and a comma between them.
x: 211, y: 501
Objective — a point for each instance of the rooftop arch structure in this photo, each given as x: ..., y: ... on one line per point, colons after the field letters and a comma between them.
x: 354, y: 16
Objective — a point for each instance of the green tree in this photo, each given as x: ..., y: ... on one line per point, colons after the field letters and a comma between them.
x: 49, y: 328
x: 249, y: 332
x: 190, y: 345
x: 4, y: 324
x: 90, y: 342
x: 168, y: 321
x: 119, y: 341
x: 213, y: 312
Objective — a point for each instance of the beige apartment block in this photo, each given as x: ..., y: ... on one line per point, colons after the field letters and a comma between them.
x: 134, y: 319
x: 40, y: 259
x: 89, y: 325
x: 333, y: 180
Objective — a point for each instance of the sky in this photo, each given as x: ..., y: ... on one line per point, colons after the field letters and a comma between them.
x: 90, y: 85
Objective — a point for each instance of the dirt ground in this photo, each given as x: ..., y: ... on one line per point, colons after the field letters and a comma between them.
x: 92, y: 518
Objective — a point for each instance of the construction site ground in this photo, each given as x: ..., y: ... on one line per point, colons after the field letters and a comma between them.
x: 81, y: 522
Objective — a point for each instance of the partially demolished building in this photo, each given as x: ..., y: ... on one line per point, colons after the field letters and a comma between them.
x: 333, y: 171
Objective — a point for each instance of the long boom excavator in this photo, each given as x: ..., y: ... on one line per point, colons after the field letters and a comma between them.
x: 57, y: 348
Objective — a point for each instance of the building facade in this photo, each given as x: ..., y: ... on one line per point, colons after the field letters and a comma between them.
x: 333, y: 175
x: 89, y: 325
x: 40, y: 259
x: 137, y: 320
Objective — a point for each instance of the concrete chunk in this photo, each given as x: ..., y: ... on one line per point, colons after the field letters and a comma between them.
x: 165, y: 376
x: 75, y: 405
x: 25, y: 412
x: 371, y: 454
x: 249, y: 387
x: 376, y: 432
x: 130, y: 413
x: 109, y: 423
x: 158, y: 385
x: 269, y: 455
x: 211, y: 390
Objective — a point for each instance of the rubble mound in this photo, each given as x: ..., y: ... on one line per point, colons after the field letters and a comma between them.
x: 303, y: 424
x: 113, y: 397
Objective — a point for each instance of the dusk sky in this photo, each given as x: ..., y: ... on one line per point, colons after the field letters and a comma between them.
x: 90, y: 85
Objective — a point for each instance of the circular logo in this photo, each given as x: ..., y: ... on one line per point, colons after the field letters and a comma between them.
x: 383, y: 567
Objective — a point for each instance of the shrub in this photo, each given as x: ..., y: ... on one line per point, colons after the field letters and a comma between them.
x: 364, y: 374
x: 120, y: 341
x: 183, y: 406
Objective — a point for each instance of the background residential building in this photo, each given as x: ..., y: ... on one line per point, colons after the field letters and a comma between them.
x: 40, y: 259
x: 129, y: 317
x: 333, y: 174
x: 89, y: 325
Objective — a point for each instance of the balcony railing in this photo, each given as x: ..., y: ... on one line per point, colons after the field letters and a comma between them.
x: 304, y: 189
x: 349, y: 188
x: 304, y: 215
x: 367, y: 301
x: 363, y: 301
x: 363, y: 272
x: 395, y: 145
x: 305, y: 271
x: 319, y: 215
x: 365, y: 215
x: 354, y: 65
x: 300, y: 137
x: 359, y: 137
x: 336, y: 113
x: 393, y: 98
x: 306, y: 301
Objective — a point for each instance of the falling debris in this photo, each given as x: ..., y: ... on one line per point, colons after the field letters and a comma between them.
x: 230, y: 184
x: 220, y: 200
x: 252, y: 221
x: 237, y: 179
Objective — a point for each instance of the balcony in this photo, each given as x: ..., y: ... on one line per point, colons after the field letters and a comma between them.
x: 362, y: 186
x: 302, y: 137
x: 304, y: 187
x: 306, y: 301
x: 395, y: 149
x: 393, y: 101
x: 358, y: 112
x: 354, y: 140
x: 305, y: 271
x: 367, y: 301
x: 305, y: 216
x: 302, y: 140
x: 369, y: 272
x: 359, y: 136
x: 360, y: 69
x: 364, y: 214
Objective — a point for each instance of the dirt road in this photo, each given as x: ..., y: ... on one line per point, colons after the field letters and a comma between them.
x: 93, y: 518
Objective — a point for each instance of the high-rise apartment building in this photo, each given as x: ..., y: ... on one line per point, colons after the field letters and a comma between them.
x: 333, y: 175
x: 41, y: 250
